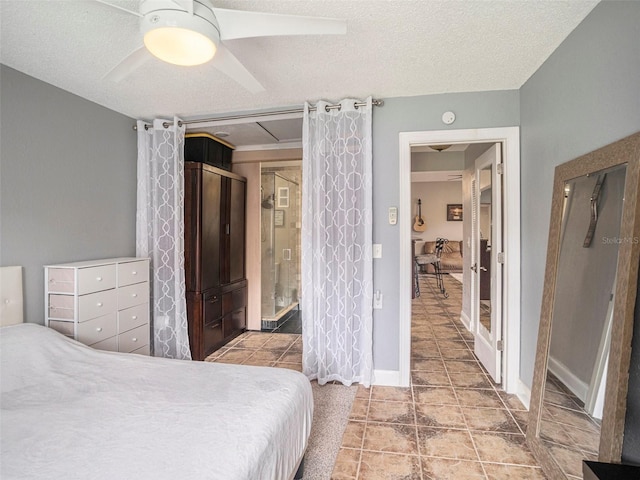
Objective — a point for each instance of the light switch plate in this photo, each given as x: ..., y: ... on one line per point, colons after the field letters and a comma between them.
x: 377, y: 250
x: 377, y: 300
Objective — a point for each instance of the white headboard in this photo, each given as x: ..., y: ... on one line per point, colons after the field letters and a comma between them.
x: 10, y: 296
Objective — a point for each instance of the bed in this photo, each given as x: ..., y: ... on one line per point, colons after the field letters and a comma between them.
x: 71, y: 412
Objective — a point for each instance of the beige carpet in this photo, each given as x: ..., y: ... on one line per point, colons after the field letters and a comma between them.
x: 332, y: 405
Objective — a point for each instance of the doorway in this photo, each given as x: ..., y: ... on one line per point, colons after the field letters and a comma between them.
x: 280, y: 228
x: 508, y: 138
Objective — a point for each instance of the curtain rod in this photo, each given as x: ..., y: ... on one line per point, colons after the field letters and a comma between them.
x: 375, y: 103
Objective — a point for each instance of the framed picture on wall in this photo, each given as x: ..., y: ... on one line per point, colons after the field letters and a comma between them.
x: 454, y: 212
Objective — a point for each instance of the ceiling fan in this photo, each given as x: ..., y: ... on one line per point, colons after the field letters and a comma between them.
x: 193, y: 32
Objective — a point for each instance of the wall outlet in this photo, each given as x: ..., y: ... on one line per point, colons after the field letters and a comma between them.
x: 393, y: 215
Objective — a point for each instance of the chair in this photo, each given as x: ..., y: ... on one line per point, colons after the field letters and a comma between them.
x: 440, y: 243
x: 433, y: 259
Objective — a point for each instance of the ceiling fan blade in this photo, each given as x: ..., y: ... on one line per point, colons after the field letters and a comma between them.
x: 228, y: 64
x: 118, y: 7
x: 243, y: 24
x: 186, y: 5
x: 129, y: 64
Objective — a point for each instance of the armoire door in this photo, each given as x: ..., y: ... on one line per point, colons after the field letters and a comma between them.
x: 210, y: 225
x: 236, y: 229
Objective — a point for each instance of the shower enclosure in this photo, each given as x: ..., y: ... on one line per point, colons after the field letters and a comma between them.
x: 280, y: 235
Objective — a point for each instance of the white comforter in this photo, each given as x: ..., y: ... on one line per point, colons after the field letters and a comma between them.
x: 71, y: 412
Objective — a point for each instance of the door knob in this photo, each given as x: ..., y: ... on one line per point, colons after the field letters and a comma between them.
x: 484, y: 269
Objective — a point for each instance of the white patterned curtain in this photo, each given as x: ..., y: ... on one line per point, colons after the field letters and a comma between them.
x: 336, y: 243
x: 160, y: 232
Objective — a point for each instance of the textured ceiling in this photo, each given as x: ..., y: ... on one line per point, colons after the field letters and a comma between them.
x: 392, y: 48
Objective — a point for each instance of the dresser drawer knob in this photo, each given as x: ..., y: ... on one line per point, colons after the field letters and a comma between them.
x: 134, y: 317
x: 134, y: 295
x: 134, y: 273
x: 98, y: 329
x: 99, y: 279
x: 99, y: 304
x: 134, y: 339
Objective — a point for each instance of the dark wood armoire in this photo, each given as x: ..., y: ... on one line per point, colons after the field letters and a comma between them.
x: 214, y: 245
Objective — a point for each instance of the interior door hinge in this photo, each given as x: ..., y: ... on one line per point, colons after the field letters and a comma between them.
x: 499, y: 345
x: 500, y: 258
x: 500, y: 168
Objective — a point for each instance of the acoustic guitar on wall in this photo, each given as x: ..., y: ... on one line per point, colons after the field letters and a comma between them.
x: 419, y: 225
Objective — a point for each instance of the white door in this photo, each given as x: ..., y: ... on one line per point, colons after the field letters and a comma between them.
x: 487, y: 259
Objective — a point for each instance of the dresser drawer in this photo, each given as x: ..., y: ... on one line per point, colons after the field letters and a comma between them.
x: 96, y: 279
x: 110, y: 344
x: 61, y: 280
x: 133, y: 272
x: 133, y: 339
x: 133, y: 317
x: 97, y: 329
x: 61, y: 307
x: 142, y: 350
x: 65, y: 328
x: 132, y: 295
x: 96, y: 304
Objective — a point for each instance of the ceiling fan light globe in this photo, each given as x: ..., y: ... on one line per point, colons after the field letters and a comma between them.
x: 180, y: 46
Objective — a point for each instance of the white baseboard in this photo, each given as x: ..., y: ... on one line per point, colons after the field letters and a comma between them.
x: 524, y: 394
x: 573, y: 383
x: 466, y: 321
x: 386, y: 378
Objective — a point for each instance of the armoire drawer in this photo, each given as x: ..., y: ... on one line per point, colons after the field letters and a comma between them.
x: 212, y: 306
x: 234, y: 300
x: 234, y: 322
x: 96, y: 304
x: 133, y: 295
x: 97, y: 329
x: 96, y: 279
x: 132, y: 272
x: 212, y: 334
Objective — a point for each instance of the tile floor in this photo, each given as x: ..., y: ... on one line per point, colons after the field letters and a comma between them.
x: 570, y: 434
x: 450, y: 424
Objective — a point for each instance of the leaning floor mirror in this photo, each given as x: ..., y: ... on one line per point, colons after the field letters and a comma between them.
x: 579, y: 391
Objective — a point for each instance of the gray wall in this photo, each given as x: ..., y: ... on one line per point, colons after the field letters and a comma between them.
x: 67, y: 181
x: 585, y: 96
x: 473, y: 110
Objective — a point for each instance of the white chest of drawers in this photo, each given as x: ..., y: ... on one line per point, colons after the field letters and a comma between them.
x: 101, y: 303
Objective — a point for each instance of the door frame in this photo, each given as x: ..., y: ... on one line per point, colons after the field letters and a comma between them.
x: 510, y: 139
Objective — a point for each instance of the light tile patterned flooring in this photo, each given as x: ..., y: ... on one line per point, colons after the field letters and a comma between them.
x: 452, y: 423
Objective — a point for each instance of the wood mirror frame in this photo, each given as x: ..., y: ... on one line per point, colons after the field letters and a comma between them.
x: 625, y: 151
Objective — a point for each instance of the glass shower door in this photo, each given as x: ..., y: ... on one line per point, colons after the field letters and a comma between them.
x: 280, y: 231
